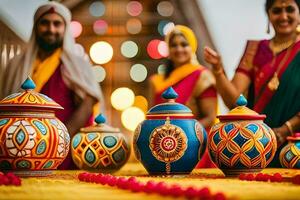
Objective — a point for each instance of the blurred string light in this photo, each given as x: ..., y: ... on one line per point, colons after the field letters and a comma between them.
x: 168, y: 27
x: 165, y: 8
x: 99, y: 73
x: 152, y: 49
x: 138, y: 73
x: 134, y: 26
x: 161, y: 25
x: 129, y: 49
x: 76, y: 28
x: 131, y: 117
x: 101, y: 52
x: 134, y: 8
x: 122, y: 98
x: 100, y: 27
x: 97, y: 9
x: 163, y: 49
x: 141, y: 102
x: 164, y: 27
x: 161, y: 69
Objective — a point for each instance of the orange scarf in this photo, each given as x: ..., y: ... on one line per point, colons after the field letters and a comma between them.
x: 43, y: 70
x: 160, y: 83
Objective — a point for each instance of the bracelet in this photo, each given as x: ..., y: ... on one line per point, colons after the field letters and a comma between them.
x: 289, y: 126
x: 218, y: 72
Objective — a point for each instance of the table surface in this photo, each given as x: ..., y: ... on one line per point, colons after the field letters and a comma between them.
x: 65, y: 185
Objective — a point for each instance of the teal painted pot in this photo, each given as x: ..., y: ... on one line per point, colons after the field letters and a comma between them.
x: 241, y: 142
x: 290, y: 154
x: 170, y: 140
x: 100, y: 147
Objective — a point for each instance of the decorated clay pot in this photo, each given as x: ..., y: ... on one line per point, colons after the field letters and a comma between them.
x: 31, y: 137
x: 241, y: 142
x: 170, y: 140
x: 100, y: 147
x: 290, y: 154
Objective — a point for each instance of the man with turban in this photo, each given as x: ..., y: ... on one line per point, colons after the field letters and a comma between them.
x: 49, y: 59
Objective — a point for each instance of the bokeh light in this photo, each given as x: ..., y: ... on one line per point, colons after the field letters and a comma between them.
x: 131, y: 117
x: 138, y: 73
x: 168, y: 27
x: 161, y: 25
x: 76, y: 28
x: 134, y: 8
x: 165, y: 8
x: 99, y: 73
x: 129, y: 49
x: 97, y: 9
x: 161, y: 69
x: 122, y: 98
x: 152, y: 49
x: 134, y: 26
x: 141, y: 102
x: 163, y: 49
x: 101, y: 52
x: 100, y: 27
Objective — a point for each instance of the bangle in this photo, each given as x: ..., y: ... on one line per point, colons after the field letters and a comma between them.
x: 289, y: 126
x: 218, y: 72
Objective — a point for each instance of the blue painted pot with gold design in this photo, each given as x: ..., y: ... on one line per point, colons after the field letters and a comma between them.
x: 170, y: 140
x: 32, y: 139
x: 100, y: 147
x: 290, y: 154
x: 241, y: 142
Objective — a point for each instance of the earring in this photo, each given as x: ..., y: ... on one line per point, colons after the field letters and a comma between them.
x: 298, y: 29
x: 268, y: 27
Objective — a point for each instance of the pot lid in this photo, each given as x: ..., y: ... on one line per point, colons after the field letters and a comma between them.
x: 100, y: 126
x: 242, y: 112
x: 294, y: 137
x: 170, y: 107
x: 29, y: 99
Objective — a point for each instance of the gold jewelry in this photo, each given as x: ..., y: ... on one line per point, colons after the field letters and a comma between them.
x: 218, y: 72
x: 276, y: 48
x: 298, y: 29
x: 289, y: 126
x: 274, y: 82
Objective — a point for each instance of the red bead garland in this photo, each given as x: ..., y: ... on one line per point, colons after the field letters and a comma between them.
x: 161, y: 188
x: 296, y: 179
x: 261, y: 177
x: 9, y: 179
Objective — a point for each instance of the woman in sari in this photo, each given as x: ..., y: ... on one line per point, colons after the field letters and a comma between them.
x: 269, y: 73
x: 192, y: 81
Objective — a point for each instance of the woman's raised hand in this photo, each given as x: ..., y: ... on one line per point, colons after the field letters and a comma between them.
x: 213, y: 58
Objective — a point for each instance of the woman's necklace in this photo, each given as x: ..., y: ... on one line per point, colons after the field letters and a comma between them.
x: 274, y: 82
x: 278, y: 47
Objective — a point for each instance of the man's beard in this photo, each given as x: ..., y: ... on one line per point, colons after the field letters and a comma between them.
x: 46, y: 46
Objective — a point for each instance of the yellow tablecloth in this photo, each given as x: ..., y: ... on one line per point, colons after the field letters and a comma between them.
x: 65, y: 185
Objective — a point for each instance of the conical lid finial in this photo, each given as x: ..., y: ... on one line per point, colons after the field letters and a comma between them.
x: 169, y: 94
x: 100, y: 119
x: 241, y: 101
x: 28, y: 84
